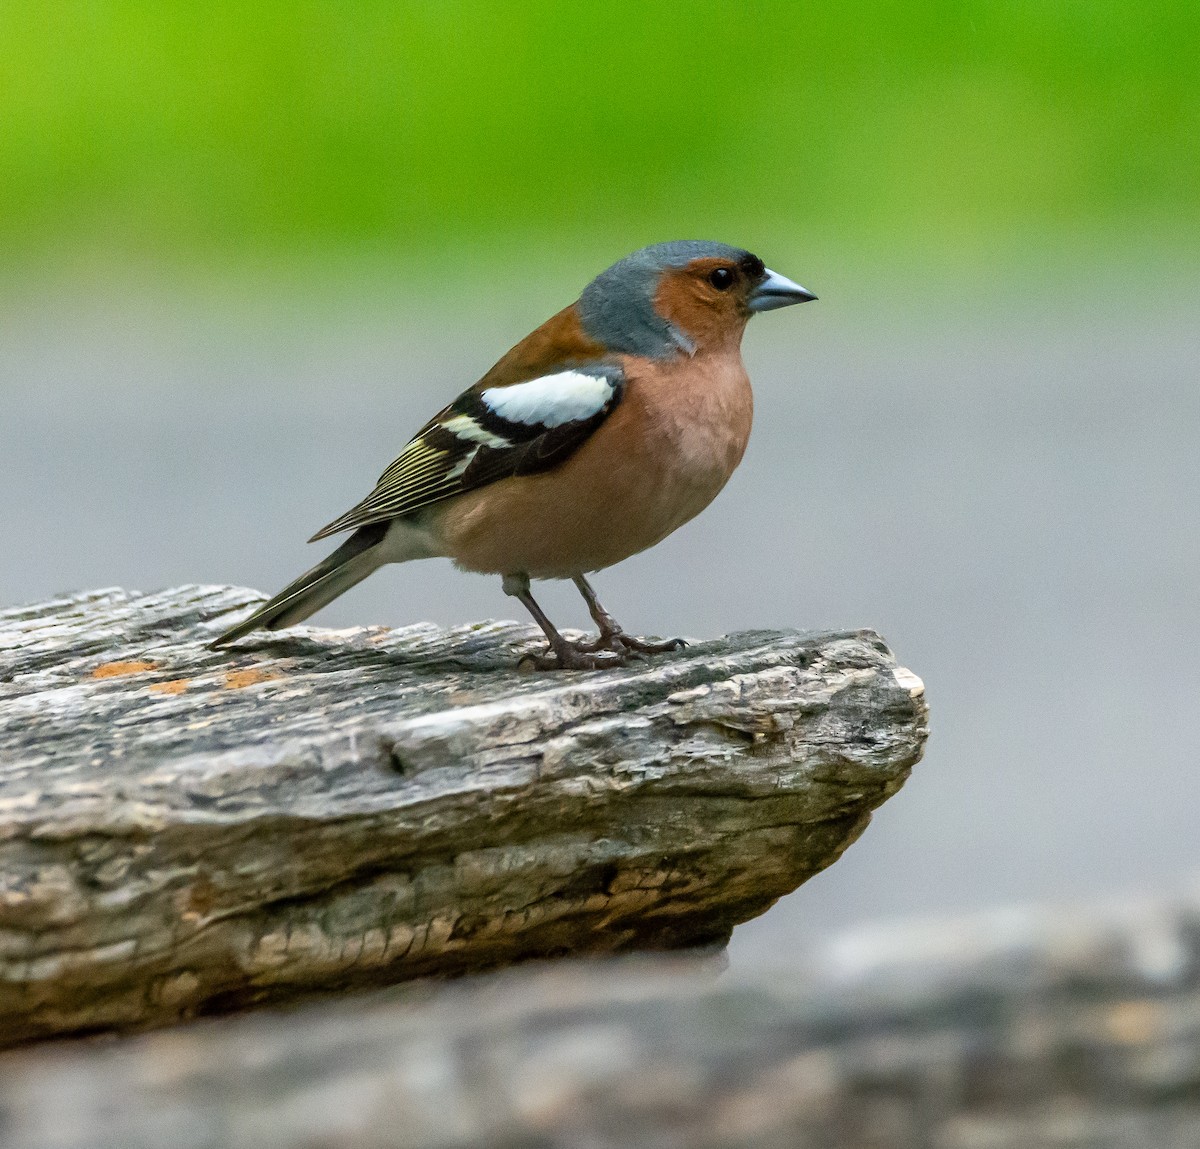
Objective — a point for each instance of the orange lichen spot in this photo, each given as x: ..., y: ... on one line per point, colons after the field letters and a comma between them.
x: 199, y: 900
x: 116, y: 669
x: 236, y: 679
x: 175, y: 686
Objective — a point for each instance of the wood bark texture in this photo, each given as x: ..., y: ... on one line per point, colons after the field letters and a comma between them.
x: 185, y: 831
x: 1016, y: 1030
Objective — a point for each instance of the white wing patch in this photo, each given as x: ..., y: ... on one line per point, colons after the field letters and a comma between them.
x: 568, y: 397
x: 464, y: 427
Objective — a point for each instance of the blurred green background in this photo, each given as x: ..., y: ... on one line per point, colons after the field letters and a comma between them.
x: 949, y: 136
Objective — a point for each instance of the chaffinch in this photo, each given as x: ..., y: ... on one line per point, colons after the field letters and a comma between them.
x: 615, y: 422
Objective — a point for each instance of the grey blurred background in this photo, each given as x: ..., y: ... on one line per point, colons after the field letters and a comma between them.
x: 246, y: 255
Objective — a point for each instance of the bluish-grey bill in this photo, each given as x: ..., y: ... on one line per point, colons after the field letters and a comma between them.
x: 777, y: 290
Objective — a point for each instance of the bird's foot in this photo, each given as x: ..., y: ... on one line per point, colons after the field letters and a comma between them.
x: 625, y: 645
x: 572, y: 656
x: 611, y: 649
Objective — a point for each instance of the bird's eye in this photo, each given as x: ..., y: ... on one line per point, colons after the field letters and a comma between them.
x: 721, y: 278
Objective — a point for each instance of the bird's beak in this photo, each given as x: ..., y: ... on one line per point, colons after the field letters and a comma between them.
x: 775, y: 290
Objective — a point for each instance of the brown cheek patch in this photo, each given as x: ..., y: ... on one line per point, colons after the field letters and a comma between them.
x: 116, y: 669
x: 709, y: 318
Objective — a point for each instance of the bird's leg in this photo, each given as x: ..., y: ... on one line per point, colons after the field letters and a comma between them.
x: 612, y: 637
x: 560, y: 654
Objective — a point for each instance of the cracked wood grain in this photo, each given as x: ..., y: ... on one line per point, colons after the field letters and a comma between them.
x: 185, y: 831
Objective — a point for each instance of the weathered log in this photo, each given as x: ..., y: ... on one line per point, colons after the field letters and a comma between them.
x: 183, y: 831
x: 1006, y: 1031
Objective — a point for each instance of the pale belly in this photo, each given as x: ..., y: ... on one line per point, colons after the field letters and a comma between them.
x: 645, y: 472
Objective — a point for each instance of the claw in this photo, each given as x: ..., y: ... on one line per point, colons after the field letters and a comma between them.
x: 571, y: 656
x: 626, y: 645
x: 642, y: 646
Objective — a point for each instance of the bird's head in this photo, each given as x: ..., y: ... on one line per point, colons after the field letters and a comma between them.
x: 681, y: 297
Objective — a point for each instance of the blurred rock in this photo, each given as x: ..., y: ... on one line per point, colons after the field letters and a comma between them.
x: 1040, y: 1030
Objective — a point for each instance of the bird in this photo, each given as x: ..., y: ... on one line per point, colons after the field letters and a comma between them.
x: 597, y: 435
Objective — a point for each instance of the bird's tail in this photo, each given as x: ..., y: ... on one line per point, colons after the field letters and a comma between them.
x: 356, y: 558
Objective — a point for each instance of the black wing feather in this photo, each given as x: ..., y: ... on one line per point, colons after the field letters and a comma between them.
x: 468, y: 445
